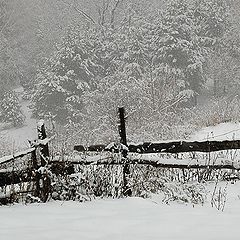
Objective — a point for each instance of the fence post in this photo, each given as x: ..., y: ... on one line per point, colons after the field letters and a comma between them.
x: 36, y: 174
x: 43, y: 180
x: 35, y: 167
x: 44, y: 150
x: 123, y: 139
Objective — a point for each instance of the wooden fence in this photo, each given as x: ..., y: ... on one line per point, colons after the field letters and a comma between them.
x: 30, y: 173
x: 40, y: 157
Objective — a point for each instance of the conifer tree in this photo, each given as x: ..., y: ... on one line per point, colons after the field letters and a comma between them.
x: 11, y: 109
x: 64, y: 78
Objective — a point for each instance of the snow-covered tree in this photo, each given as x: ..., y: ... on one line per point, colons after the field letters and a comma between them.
x: 212, y: 20
x: 218, y: 36
x: 11, y: 109
x: 64, y: 78
x: 179, y: 54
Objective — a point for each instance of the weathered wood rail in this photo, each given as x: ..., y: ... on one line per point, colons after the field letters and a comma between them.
x: 9, y: 158
x: 152, y: 163
x: 15, y: 156
x: 167, y: 147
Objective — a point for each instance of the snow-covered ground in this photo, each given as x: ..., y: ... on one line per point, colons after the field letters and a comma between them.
x: 122, y: 219
x: 18, y: 137
x: 222, y: 131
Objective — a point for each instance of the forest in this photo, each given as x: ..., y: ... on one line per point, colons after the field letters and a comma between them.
x: 174, y: 65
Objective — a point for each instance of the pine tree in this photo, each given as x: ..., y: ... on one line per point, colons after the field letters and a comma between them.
x: 215, y: 35
x: 11, y: 109
x: 65, y: 77
x: 211, y: 20
x: 179, y: 53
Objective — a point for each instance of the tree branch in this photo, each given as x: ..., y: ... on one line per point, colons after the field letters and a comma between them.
x: 89, y: 18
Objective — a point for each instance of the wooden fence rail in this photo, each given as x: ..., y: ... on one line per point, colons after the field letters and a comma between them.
x: 9, y: 158
x: 153, y: 163
x: 167, y: 147
x: 20, y: 154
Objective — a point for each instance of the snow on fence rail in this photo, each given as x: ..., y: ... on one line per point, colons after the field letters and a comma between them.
x: 12, y: 157
x: 167, y: 147
x: 23, y: 153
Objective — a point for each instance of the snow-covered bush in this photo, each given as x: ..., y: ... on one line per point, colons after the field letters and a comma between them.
x: 147, y: 180
x: 219, y: 196
x: 194, y: 193
x: 90, y: 182
x: 70, y: 188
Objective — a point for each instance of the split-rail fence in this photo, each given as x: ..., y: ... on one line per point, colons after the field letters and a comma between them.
x: 40, y: 157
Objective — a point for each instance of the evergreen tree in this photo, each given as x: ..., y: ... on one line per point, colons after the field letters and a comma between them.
x: 61, y: 83
x: 214, y: 28
x: 178, y: 54
x: 212, y: 20
x: 187, y: 32
x: 11, y: 109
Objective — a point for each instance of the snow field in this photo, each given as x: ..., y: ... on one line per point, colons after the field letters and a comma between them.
x: 121, y: 219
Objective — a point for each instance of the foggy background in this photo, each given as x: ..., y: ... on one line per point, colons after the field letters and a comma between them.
x: 174, y: 66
